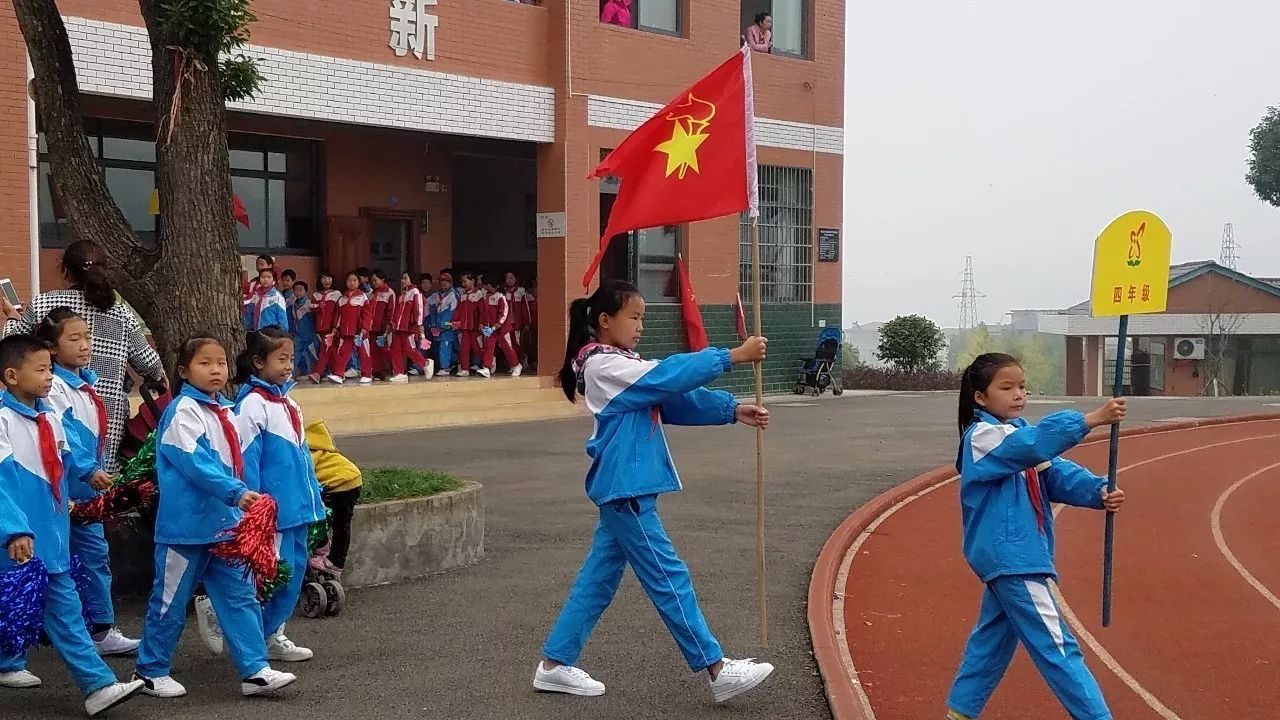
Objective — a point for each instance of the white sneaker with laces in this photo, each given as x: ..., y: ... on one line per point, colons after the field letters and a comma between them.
x: 19, y: 680
x: 335, y: 379
x: 103, y: 699
x: 161, y: 687
x: 283, y: 649
x: 737, y: 677
x: 115, y: 643
x: 366, y: 380
x: 210, y: 629
x: 566, y: 679
x: 484, y: 372
x: 515, y: 371
x: 429, y: 371
x: 265, y: 681
x: 398, y: 379
x: 351, y: 373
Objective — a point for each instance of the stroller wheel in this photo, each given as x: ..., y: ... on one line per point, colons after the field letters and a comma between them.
x: 800, y: 389
x: 314, y: 600
x: 837, y: 390
x: 337, y: 596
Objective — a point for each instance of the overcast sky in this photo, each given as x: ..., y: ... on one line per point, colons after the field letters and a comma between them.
x: 1014, y: 131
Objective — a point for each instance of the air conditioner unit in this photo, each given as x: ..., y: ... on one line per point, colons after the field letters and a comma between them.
x: 1188, y: 348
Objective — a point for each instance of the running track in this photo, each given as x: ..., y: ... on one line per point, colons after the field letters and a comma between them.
x: 1196, y: 624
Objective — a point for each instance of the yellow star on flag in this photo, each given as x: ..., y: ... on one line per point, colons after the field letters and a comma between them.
x: 682, y: 150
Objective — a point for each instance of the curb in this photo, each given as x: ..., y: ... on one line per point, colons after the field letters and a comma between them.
x: 841, y: 695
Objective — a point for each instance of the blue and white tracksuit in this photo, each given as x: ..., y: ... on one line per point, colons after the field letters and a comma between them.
x: 440, y: 308
x: 1010, y: 472
x: 199, y: 493
x: 630, y: 466
x: 269, y: 308
x: 89, y: 542
x: 32, y: 509
x: 277, y: 462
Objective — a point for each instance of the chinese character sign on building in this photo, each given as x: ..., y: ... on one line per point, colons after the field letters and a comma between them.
x: 413, y: 29
x: 1131, y: 266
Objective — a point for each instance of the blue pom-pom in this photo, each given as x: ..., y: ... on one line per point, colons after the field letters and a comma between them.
x: 22, y: 594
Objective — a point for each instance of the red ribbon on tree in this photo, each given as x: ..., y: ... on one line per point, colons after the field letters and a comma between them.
x: 251, y: 544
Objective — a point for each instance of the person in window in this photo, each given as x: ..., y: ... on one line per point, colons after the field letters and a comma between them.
x: 760, y: 35
x: 616, y: 12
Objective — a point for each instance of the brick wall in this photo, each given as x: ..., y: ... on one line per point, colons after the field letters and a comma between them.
x: 14, y: 256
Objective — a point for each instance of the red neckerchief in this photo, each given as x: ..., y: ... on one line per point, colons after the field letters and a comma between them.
x: 102, y: 417
x: 294, y: 418
x: 50, y: 456
x: 1033, y: 489
x: 231, y: 436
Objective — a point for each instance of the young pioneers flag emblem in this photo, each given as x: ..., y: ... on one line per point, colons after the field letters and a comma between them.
x: 694, y: 160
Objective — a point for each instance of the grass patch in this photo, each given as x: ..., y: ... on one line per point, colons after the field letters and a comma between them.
x: 396, y: 483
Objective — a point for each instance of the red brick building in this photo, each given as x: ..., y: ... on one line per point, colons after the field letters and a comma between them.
x: 1219, y: 322
x: 464, y: 140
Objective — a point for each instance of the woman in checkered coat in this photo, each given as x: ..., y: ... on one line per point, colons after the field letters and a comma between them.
x: 118, y: 341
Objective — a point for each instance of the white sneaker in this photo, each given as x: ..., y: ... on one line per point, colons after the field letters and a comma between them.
x: 283, y: 649
x: 351, y: 373
x: 737, y: 677
x: 210, y: 629
x: 161, y: 687
x: 515, y: 371
x: 429, y: 371
x: 566, y: 679
x: 335, y: 379
x: 464, y: 373
x: 366, y: 380
x: 398, y: 379
x: 414, y: 371
x: 265, y: 681
x: 110, y: 696
x: 115, y: 643
x: 484, y: 372
x: 19, y: 680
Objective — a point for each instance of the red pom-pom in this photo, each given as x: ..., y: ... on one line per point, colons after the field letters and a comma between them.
x: 121, y: 499
x: 251, y: 544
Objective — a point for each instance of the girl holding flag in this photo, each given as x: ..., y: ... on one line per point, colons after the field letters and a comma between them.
x: 631, y: 399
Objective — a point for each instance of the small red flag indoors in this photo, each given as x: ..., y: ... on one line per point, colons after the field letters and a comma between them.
x: 693, y: 160
x: 694, y: 330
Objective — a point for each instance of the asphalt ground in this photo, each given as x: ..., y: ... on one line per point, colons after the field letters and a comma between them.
x: 463, y: 645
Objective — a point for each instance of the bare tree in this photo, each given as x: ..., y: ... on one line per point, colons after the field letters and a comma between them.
x: 1219, y: 325
x: 189, y: 282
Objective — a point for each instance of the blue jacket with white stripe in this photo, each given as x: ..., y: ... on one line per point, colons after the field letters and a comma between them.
x: 277, y: 461
x: 631, y: 399
x: 199, y: 490
x: 32, y: 508
x: 80, y: 417
x: 1002, y: 535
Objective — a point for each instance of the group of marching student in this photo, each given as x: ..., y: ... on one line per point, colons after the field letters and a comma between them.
x: 215, y: 459
x: 365, y: 328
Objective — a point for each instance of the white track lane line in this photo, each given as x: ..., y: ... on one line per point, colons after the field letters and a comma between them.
x: 1215, y: 522
x: 842, y: 578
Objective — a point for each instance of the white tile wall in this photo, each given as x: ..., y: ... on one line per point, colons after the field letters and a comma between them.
x: 113, y: 59
x: 622, y: 114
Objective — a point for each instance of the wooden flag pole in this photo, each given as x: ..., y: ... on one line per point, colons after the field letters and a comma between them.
x: 761, y: 594
x: 1109, y: 536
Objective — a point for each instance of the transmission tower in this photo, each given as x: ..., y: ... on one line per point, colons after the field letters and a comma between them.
x: 1228, y: 256
x: 967, y: 298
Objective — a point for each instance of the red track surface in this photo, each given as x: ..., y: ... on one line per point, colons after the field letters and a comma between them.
x: 1187, y: 626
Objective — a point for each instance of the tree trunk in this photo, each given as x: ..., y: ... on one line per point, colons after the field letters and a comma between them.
x: 189, y: 283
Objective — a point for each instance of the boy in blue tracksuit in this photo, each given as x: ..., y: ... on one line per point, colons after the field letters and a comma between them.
x: 73, y: 394
x: 1010, y: 472
x: 440, y: 308
x: 277, y: 462
x: 40, y: 459
x: 200, y: 471
x: 631, y: 399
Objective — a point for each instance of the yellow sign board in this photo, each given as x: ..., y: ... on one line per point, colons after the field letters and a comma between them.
x: 1131, y: 266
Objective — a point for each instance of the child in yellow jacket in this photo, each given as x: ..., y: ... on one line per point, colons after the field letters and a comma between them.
x: 340, y: 482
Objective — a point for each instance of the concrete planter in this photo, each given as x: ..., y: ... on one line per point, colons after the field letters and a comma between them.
x: 391, y: 541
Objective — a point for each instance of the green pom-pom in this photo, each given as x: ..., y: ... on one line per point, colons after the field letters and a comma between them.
x: 284, y: 573
x: 318, y: 532
x: 141, y: 466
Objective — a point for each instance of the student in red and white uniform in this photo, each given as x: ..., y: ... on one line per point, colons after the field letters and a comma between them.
x: 467, y: 321
x: 249, y: 287
x: 324, y: 308
x: 384, y: 306
x: 497, y: 321
x: 518, y: 301
x: 407, y: 333
x: 351, y: 333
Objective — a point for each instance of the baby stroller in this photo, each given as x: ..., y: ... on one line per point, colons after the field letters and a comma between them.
x: 155, y: 398
x: 816, y: 373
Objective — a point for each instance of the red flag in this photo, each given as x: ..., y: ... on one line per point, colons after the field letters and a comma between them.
x: 693, y: 160
x: 237, y: 210
x: 694, y: 330
x: 742, y: 319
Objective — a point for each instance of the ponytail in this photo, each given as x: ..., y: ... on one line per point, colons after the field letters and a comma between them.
x: 82, y: 265
x: 258, y: 345
x: 584, y: 325
x: 975, y: 379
